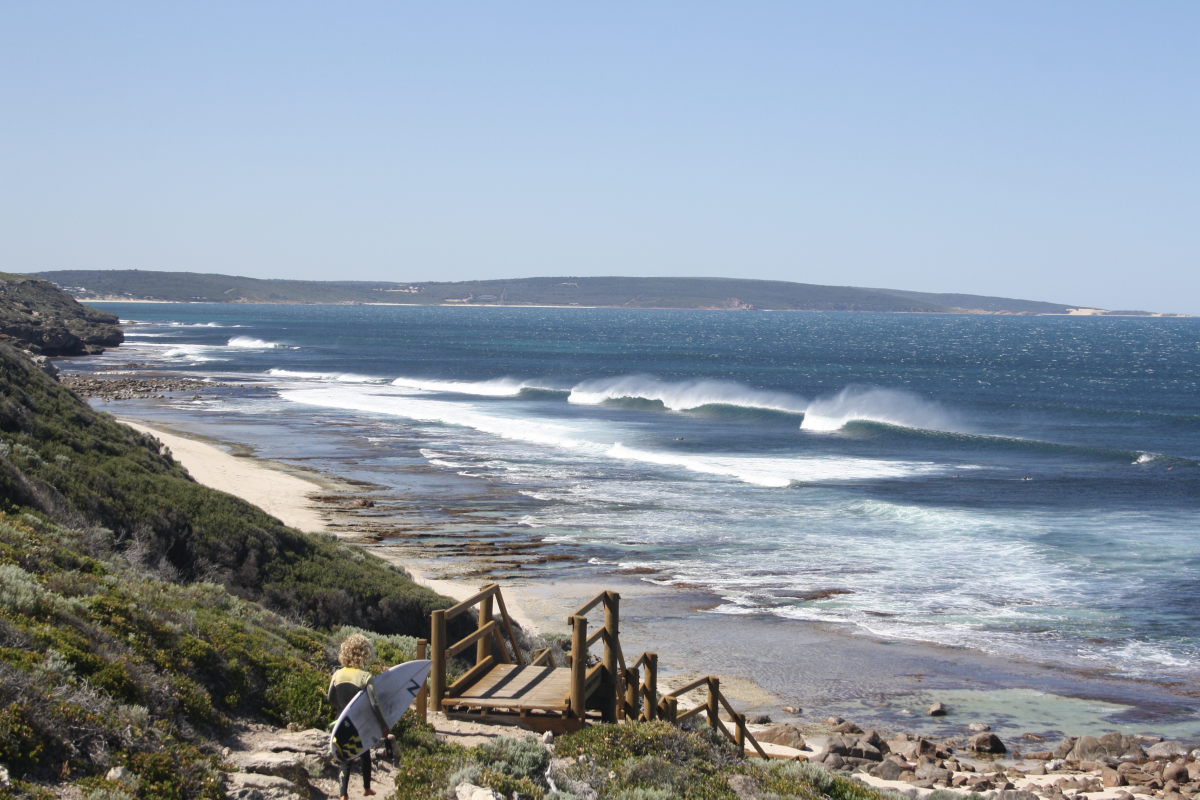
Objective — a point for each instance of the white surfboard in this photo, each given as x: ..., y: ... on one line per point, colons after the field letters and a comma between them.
x: 370, y: 716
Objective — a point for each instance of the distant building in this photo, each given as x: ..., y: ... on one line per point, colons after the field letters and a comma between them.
x: 486, y: 298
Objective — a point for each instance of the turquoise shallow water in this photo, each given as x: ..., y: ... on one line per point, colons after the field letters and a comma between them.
x: 1020, y: 486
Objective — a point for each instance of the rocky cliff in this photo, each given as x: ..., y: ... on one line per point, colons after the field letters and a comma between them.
x: 36, y: 315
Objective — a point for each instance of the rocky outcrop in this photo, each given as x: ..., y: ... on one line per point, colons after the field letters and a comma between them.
x: 134, y: 388
x: 1110, y: 746
x: 36, y: 315
x: 247, y: 786
x: 783, y: 734
x: 986, y: 743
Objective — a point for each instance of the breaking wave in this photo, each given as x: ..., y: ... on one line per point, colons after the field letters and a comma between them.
x: 250, y: 343
x: 889, y: 406
x: 683, y: 396
x: 497, y: 387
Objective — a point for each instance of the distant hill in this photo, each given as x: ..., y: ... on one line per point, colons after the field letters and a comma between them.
x: 713, y: 293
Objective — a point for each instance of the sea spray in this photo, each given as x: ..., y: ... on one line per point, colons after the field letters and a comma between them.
x: 890, y: 406
x: 684, y: 395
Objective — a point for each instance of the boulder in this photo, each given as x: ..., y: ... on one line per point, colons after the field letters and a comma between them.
x: 1065, y: 747
x: 290, y: 766
x: 887, y: 769
x: 912, y: 749
x: 783, y: 734
x: 1194, y: 771
x: 249, y: 786
x: 1166, y: 750
x: 833, y: 761
x: 935, y: 774
x: 761, y: 719
x: 861, y: 748
x: 745, y: 787
x: 938, y: 709
x: 1111, y: 778
x: 847, y: 727
x: 978, y: 727
x: 986, y: 743
x: 1040, y: 755
x: 5, y: 781
x: 834, y: 721
x: 1177, y: 772
x: 469, y: 791
x: 1110, y: 745
x: 312, y: 741
x: 875, y: 740
x: 793, y: 710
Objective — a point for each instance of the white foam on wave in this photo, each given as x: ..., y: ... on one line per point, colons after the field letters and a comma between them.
x: 497, y: 387
x: 890, y: 406
x: 340, y: 377
x: 761, y: 471
x: 684, y: 395
x: 250, y: 343
x: 780, y: 472
x: 201, y: 325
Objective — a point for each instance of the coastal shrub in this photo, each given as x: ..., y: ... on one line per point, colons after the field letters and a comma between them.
x: 82, y: 468
x: 520, y: 758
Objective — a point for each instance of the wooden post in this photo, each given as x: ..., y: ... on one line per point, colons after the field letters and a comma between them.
x: 651, y: 687
x: 612, y: 619
x: 740, y: 721
x: 670, y: 709
x: 437, y: 671
x: 423, y: 695
x: 578, y: 667
x: 714, y: 692
x: 633, y: 685
x: 483, y: 648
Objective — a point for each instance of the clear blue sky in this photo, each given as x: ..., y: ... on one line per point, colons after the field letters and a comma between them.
x: 1044, y: 150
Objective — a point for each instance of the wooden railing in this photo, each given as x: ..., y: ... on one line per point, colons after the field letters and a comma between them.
x: 636, y: 689
x: 487, y: 631
x: 668, y: 709
x: 603, y: 677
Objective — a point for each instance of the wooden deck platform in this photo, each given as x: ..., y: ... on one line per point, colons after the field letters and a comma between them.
x: 519, y: 688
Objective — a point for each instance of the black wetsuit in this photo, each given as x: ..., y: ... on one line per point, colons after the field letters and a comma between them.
x: 345, y: 685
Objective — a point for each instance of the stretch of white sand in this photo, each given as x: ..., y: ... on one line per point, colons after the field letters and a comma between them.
x: 286, y: 497
x: 283, y: 496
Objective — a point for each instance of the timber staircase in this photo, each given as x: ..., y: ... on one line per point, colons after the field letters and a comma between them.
x: 545, y: 697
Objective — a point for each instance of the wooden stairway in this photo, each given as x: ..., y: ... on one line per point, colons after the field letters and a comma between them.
x: 545, y: 697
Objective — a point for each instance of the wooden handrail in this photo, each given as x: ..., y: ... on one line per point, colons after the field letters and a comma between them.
x: 508, y: 626
x: 500, y: 646
x: 543, y: 658
x: 696, y: 684
x: 595, y: 601
x: 470, y: 639
x: 467, y: 681
x: 483, y: 594
x: 691, y: 712
x: 600, y: 633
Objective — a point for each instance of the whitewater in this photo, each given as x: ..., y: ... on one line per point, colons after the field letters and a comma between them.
x: 1022, y: 487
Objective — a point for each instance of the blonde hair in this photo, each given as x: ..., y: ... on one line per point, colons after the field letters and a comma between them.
x: 356, y: 651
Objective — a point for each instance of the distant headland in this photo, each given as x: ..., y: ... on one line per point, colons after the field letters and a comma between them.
x: 609, y: 292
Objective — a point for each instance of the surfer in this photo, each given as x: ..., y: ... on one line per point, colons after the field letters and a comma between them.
x: 354, y: 656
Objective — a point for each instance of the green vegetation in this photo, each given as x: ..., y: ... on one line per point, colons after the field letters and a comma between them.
x: 81, y: 467
x: 36, y: 316
x: 607, y: 291
x: 642, y: 761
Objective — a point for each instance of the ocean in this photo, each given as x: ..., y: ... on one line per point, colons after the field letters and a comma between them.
x: 1021, y: 487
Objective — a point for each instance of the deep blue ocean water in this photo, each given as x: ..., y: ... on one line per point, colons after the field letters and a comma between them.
x: 1025, y: 486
